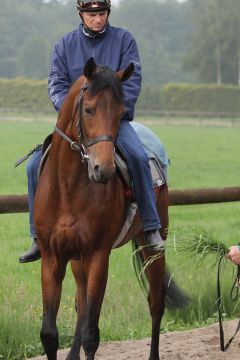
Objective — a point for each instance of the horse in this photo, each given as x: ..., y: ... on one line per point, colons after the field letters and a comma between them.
x: 80, y: 208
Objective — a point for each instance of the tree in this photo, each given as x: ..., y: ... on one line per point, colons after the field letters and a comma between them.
x: 33, y: 60
x: 160, y: 28
x: 214, y: 42
x: 27, y: 38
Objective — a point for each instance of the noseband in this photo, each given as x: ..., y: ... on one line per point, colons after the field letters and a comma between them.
x: 82, y: 145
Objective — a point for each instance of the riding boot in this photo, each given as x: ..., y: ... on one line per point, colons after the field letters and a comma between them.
x: 154, y: 241
x: 32, y: 254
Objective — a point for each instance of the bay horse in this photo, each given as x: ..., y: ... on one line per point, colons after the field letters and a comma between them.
x: 80, y: 208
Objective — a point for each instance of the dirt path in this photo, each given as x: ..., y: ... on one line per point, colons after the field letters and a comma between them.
x: 182, y: 345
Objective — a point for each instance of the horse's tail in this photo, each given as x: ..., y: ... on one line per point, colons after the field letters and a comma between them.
x: 175, y: 298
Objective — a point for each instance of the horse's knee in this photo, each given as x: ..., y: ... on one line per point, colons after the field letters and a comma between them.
x: 49, y: 338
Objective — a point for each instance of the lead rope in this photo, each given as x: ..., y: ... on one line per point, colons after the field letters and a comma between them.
x: 219, y: 302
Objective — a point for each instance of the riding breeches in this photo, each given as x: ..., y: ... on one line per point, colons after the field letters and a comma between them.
x: 137, y: 160
x: 32, y: 176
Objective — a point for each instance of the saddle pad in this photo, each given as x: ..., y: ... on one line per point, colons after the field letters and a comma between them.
x: 152, y: 145
x: 158, y: 159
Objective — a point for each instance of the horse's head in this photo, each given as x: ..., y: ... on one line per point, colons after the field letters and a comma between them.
x: 100, y: 110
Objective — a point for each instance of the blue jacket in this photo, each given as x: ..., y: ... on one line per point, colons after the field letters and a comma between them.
x: 114, y: 47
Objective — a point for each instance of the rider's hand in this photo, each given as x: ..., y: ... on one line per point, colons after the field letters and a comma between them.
x: 234, y: 255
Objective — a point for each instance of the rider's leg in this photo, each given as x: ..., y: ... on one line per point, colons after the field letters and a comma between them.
x: 137, y: 161
x: 32, y: 171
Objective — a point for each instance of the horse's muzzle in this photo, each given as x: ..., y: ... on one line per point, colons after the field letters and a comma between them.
x: 100, y: 173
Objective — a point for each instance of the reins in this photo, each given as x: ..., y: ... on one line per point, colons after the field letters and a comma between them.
x: 235, y: 288
x: 25, y: 157
x: 82, y: 144
x: 74, y: 144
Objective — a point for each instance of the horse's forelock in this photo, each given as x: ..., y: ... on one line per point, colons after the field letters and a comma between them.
x: 106, y: 78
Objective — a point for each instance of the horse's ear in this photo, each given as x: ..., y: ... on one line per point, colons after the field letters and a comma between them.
x: 90, y: 69
x: 125, y: 74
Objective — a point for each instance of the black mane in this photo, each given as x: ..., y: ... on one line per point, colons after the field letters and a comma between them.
x: 106, y: 78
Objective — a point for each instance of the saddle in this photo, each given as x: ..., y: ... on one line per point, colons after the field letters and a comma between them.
x: 158, y: 176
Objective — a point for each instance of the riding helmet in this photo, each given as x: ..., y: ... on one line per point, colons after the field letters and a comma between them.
x: 88, y: 5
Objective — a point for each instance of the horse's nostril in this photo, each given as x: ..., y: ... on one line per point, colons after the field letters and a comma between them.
x: 103, y: 174
x: 97, y: 169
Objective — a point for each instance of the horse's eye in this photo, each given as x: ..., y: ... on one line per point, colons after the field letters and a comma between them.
x: 88, y: 111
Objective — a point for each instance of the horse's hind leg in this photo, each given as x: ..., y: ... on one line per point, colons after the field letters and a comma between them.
x: 155, y: 274
x: 52, y: 277
x: 156, y: 299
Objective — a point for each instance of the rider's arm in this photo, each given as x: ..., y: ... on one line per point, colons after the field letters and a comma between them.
x: 58, y: 80
x: 131, y: 87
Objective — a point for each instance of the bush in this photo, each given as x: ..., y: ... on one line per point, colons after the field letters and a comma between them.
x: 24, y: 94
x: 201, y: 98
x: 32, y: 95
x: 150, y: 98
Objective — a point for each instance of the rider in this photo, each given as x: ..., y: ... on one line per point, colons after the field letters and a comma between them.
x: 116, y: 48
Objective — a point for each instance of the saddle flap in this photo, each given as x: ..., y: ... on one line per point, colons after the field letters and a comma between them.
x: 45, y: 151
x: 158, y: 176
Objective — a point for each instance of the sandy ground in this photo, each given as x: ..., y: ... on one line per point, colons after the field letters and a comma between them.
x: 194, y: 344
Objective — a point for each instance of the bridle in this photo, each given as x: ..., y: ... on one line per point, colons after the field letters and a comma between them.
x: 81, y: 145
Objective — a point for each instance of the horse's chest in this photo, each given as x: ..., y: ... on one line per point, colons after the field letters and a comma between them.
x: 74, y: 234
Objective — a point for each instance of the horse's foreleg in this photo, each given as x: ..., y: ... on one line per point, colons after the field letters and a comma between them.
x: 52, y: 277
x: 80, y: 304
x: 97, y: 271
x: 156, y: 299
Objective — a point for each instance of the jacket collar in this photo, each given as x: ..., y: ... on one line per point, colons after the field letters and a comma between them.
x: 93, y: 34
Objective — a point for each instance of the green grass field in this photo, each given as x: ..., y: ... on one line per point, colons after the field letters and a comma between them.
x: 200, y: 157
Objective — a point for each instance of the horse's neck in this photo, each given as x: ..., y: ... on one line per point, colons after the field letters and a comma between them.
x: 67, y: 111
x: 70, y: 182
x: 65, y: 123
x: 66, y: 166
